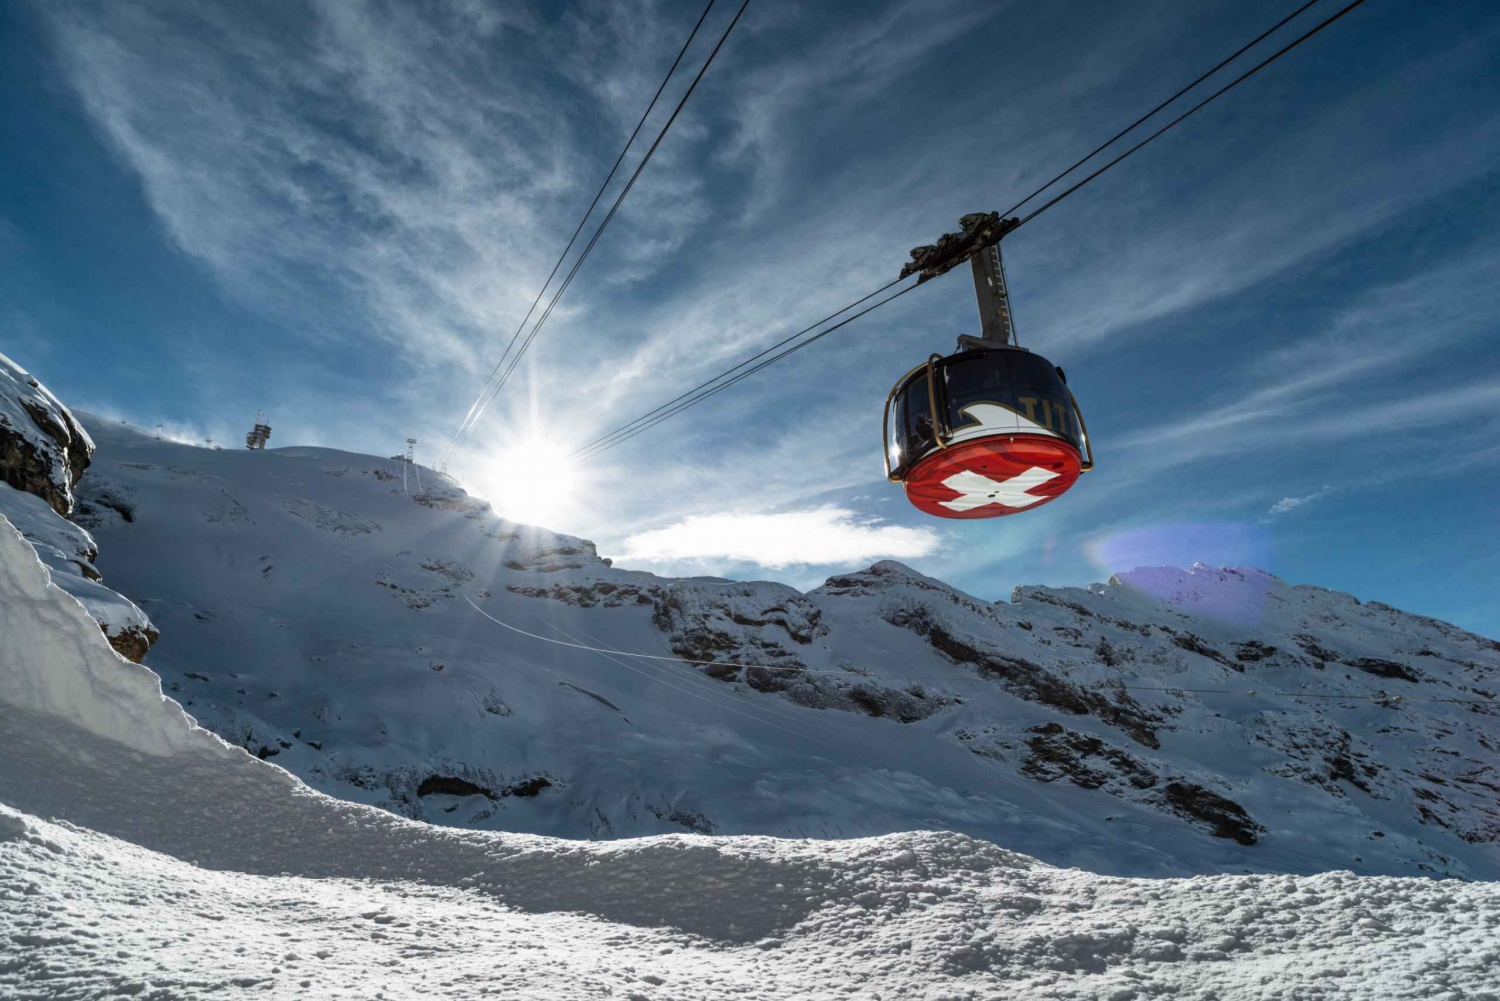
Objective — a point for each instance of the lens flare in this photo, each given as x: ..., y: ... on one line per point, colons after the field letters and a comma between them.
x: 1161, y: 560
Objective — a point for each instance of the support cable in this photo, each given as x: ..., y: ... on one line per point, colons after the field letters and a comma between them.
x: 679, y: 408
x: 603, y: 439
x: 669, y: 410
x: 474, y: 410
x: 961, y: 679
x: 588, y: 249
x: 1142, y: 120
x: 1222, y: 90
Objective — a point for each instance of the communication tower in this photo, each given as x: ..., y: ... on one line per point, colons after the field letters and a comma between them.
x: 255, y: 441
x: 410, y: 459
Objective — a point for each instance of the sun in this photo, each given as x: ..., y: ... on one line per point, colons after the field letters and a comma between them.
x: 532, y: 480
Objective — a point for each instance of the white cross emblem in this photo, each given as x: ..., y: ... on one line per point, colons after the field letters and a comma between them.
x: 975, y: 490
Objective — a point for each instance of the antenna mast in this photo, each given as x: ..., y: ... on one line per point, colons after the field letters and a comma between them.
x: 255, y: 441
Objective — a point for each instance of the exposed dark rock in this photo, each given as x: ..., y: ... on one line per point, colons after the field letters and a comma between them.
x: 1252, y: 651
x: 1035, y: 683
x: 1196, y: 644
x: 565, y: 554
x: 1321, y: 656
x: 824, y: 691
x: 1224, y: 817
x: 27, y: 459
x: 1325, y: 756
x: 89, y: 511
x: 1384, y: 668
x: 526, y: 789
x: 451, y: 785
x: 586, y: 595
x: 133, y: 642
x: 1086, y: 760
x: 1030, y: 593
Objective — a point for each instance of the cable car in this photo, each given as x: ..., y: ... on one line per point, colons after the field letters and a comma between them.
x: 992, y: 429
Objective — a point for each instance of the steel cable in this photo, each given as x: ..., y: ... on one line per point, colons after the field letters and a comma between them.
x: 477, y: 408
x: 648, y: 421
x: 588, y: 249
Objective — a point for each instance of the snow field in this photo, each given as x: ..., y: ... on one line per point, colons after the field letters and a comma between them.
x: 904, y: 916
x: 242, y: 882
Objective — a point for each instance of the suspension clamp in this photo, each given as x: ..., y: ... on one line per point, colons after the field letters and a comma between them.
x: 980, y: 230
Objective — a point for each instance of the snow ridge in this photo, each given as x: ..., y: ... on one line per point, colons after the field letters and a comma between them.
x: 1169, y: 722
x: 202, y: 872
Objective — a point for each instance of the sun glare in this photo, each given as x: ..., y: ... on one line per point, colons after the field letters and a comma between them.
x: 532, y: 481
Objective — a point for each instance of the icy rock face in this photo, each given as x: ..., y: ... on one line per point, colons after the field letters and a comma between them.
x: 1170, y: 721
x: 43, y: 450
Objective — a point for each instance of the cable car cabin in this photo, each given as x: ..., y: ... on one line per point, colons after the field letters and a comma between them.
x: 1008, y: 435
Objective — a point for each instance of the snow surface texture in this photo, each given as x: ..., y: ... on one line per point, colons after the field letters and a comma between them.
x: 199, y: 871
x: 316, y: 615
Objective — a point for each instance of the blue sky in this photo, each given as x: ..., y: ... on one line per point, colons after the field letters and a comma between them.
x: 1280, y: 318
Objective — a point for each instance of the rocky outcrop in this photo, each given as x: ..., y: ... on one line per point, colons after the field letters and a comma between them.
x: 43, y: 449
x: 43, y: 452
x: 587, y: 594
x: 1220, y: 815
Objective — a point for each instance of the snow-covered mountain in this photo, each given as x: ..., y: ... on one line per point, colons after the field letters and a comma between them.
x: 330, y: 614
x: 405, y: 647
x: 143, y: 857
x: 365, y: 637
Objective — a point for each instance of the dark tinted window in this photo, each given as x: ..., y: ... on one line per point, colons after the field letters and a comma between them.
x: 911, y: 420
x: 1020, y: 381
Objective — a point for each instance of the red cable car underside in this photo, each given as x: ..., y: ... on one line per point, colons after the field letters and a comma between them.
x: 993, y: 477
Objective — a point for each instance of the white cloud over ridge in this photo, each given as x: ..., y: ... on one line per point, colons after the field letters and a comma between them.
x: 815, y: 537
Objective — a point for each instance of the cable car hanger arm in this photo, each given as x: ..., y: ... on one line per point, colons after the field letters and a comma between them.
x: 980, y: 230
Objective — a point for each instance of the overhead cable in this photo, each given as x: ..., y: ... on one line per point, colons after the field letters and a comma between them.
x: 1150, y: 114
x: 479, y: 402
x: 589, y: 247
x: 603, y: 439
x: 1216, y: 94
x: 703, y: 392
x: 852, y: 675
x: 667, y: 415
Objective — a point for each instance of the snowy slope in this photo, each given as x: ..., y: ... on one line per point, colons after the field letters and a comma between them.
x: 313, y: 613
x: 176, y: 866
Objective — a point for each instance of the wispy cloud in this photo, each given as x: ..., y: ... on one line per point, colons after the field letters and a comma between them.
x: 1292, y: 503
x: 817, y: 537
x: 395, y: 180
x: 1311, y: 389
